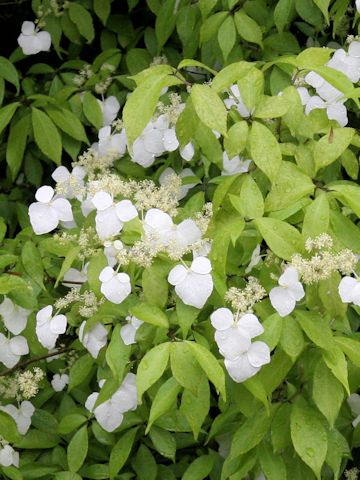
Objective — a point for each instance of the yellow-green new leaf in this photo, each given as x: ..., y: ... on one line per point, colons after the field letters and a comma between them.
x: 209, y: 108
x: 283, y: 239
x: 77, y: 449
x: 247, y: 28
x: 46, y: 135
x: 332, y: 145
x: 151, y: 367
x: 265, y: 150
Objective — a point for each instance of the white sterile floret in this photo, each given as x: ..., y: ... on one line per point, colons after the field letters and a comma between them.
x: 193, y: 285
x: 284, y: 297
x: 14, y: 317
x: 128, y: 331
x: 110, y: 108
x: 255, y: 259
x: 110, y: 413
x: 109, y: 144
x: 74, y: 278
x: 347, y: 62
x: 234, y: 165
x: 32, y: 40
x: 111, y: 250
x: 48, y: 328
x: 93, y: 339
x: 236, y: 100
x: 187, y: 172
x: 114, y: 286
x: 354, y: 404
x: 187, y: 152
x: 48, y: 211
x: 323, y: 88
x: 8, y: 456
x: 21, y: 415
x: 349, y: 290
x: 69, y: 185
x: 59, y: 381
x: 11, y: 349
x: 111, y: 216
x: 249, y: 363
x: 334, y: 110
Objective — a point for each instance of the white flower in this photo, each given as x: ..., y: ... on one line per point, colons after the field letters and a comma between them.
x: 111, y: 250
x: 110, y: 216
x: 255, y: 259
x: 347, y: 62
x: 304, y: 95
x: 249, y: 363
x: 323, y: 88
x: 12, y: 349
x: 110, y: 108
x: 46, y: 213
x: 195, y: 284
x: 94, y: 339
x: 349, y: 290
x: 235, y: 99
x: 334, y: 110
x: 112, y: 145
x: 32, y: 40
x: 354, y: 404
x: 21, y: 415
x: 187, y: 152
x: 357, y: 4
x: 187, y: 172
x: 128, y: 331
x: 71, y: 184
x: 284, y: 298
x: 234, y: 165
x: 48, y: 328
x: 14, y: 317
x: 77, y: 276
x: 59, y: 382
x: 8, y: 456
x: 114, y: 286
x: 110, y: 413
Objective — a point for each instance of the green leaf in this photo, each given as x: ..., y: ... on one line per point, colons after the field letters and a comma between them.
x: 271, y: 107
x: 9, y: 73
x: 292, y: 338
x: 345, y: 230
x: 209, y: 108
x: 165, y: 22
x: 6, y: 114
x: 272, y: 464
x: 164, y: 442
x: 155, y: 285
x: 11, y: 282
x: 186, y: 316
x: 164, y: 400
x: 327, y: 392
x: 309, y: 437
x: 316, y: 218
x: 68, y: 122
x: 283, y: 239
x: 70, y: 422
x: 184, y: 367
x: 46, y: 135
x: 150, y: 314
x: 8, y: 428
x: 16, y: 144
x: 324, y: 6
x: 211, y: 25
x: 32, y: 262
x: 316, y: 328
x: 117, y: 353
x: 236, y: 140
x: 200, y: 468
x: 77, y: 449
x: 210, y: 365
x: 92, y: 110
x: 121, y: 451
x: 230, y: 74
x: 349, y: 195
x: 337, y: 79
x: 196, y: 407
x: 83, y: 20
x: 350, y: 347
x: 336, y: 361
x: 36, y: 439
x: 144, y: 464
x: 332, y: 145
x: 251, y: 200
x: 313, y: 57
x: 80, y: 370
x: 247, y: 28
x: 70, y: 258
x: 102, y: 8
x: 265, y: 150
x: 227, y: 36
x: 151, y: 367
x: 283, y: 14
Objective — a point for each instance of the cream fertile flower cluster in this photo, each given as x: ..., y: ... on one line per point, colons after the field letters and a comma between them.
x: 328, y: 97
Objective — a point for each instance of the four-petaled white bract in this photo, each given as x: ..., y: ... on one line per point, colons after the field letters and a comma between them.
x: 109, y: 144
x: 111, y: 216
x: 111, y: 250
x: 114, y: 286
x: 8, y: 456
x: 193, y: 285
x: 128, y: 331
x: 14, y: 317
x: 21, y: 415
x: 48, y: 328
x: 59, y: 381
x: 249, y: 363
x: 234, y: 165
x: 284, y: 297
x: 32, y: 40
x: 110, y: 108
x: 48, y: 211
x: 93, y: 339
x: 70, y: 182
x: 349, y: 290
x: 11, y: 349
x: 110, y: 413
x: 236, y: 100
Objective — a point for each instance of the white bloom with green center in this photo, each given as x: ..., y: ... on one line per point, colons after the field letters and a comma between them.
x: 93, y: 339
x: 11, y: 349
x: 21, y: 415
x: 14, y: 317
x: 32, y: 40
x: 48, y: 328
x: 115, y: 286
x: 290, y: 291
x: 193, y: 285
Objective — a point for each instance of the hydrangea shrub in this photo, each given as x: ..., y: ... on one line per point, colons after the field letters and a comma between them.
x: 179, y: 291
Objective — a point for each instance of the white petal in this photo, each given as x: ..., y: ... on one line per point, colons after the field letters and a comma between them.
x: 314, y: 79
x: 28, y: 28
x: 354, y: 403
x: 60, y: 174
x: 232, y: 343
x: 126, y: 211
x: 44, y: 194
x: 44, y: 315
x: 222, y: 318
x: 282, y: 301
x: 297, y: 291
x: 102, y: 200
x: 345, y: 289
x: 337, y: 111
x: 106, y: 274
x: 354, y: 47
x: 63, y: 209
x: 289, y: 277
x: 108, y: 223
x: 250, y: 324
x: 104, y: 133
x: 259, y: 354
x: 153, y: 142
x: 240, y: 369
x: 109, y: 418
x: 19, y: 345
x: 186, y: 233
x: 187, y: 152
x: 158, y: 220
x: 304, y: 95
x: 127, y: 334
x: 177, y: 275
x: 43, y: 218
x: 195, y: 289
x: 58, y: 324
x: 91, y: 400
x: 170, y: 140
x: 201, y: 265
x: 45, y: 40
x: 27, y: 408
x: 116, y: 291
